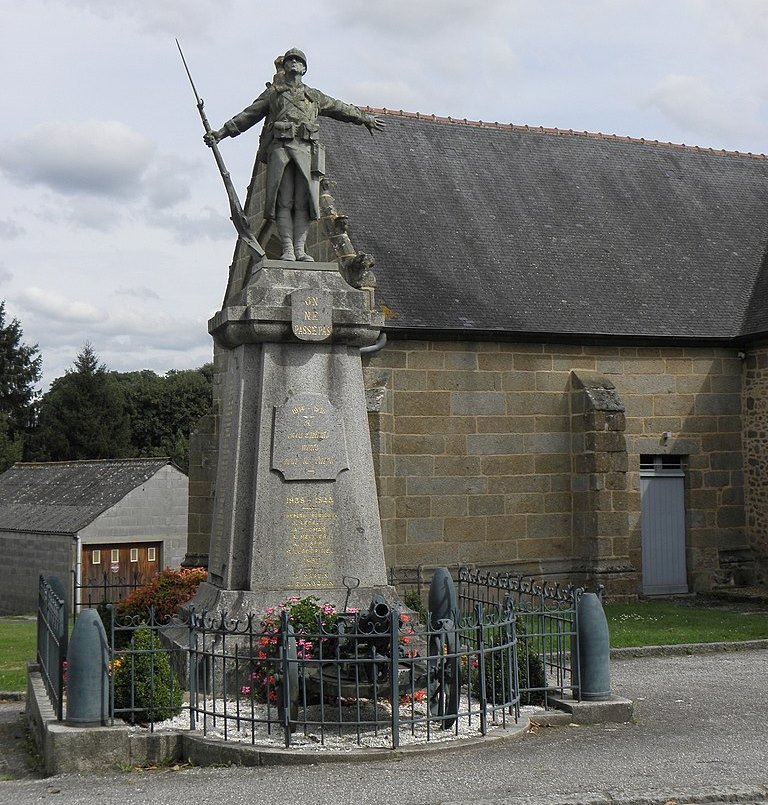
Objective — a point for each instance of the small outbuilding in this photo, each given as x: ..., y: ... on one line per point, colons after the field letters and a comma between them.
x: 91, y: 523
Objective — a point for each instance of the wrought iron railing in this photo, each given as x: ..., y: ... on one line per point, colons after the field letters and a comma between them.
x: 386, y: 675
x: 547, y: 628
x: 385, y: 678
x: 378, y: 676
x: 546, y: 622
x: 52, y: 638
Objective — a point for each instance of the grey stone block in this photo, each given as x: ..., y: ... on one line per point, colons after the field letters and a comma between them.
x: 613, y: 710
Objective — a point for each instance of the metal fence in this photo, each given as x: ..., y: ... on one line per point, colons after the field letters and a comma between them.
x: 546, y: 622
x: 375, y: 676
x: 144, y: 688
x: 547, y: 628
x: 303, y: 671
x: 361, y: 677
x: 52, y: 638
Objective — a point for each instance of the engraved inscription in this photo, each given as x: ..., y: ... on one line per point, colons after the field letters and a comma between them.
x: 311, y: 521
x: 308, y: 441
x: 312, y: 314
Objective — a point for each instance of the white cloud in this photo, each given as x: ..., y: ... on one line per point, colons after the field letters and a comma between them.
x: 139, y: 292
x: 83, y: 212
x: 10, y: 229
x: 695, y: 105
x: 209, y: 224
x: 171, y: 17
x: 411, y: 20
x: 388, y: 94
x: 5, y: 274
x: 167, y: 181
x: 93, y: 156
x: 58, y: 308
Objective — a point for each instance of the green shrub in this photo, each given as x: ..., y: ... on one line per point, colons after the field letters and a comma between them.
x: 144, y: 681
x: 413, y: 601
x: 530, y: 669
x: 165, y: 593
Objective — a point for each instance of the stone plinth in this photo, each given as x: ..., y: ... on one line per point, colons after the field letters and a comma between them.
x: 295, y: 508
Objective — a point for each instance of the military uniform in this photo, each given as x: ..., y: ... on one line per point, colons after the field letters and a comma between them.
x: 291, y: 135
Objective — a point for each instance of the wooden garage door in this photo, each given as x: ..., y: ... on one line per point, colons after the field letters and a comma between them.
x: 124, y: 565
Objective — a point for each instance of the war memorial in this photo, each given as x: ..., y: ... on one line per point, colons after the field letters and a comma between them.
x: 297, y: 630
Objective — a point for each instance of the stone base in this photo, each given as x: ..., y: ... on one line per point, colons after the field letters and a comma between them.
x: 242, y: 603
x: 613, y: 710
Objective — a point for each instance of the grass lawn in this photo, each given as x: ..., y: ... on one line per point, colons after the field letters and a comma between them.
x: 654, y: 623
x: 18, y: 639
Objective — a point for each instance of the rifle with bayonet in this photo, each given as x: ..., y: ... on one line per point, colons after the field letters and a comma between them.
x: 237, y: 214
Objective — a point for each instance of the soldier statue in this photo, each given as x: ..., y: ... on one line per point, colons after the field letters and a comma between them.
x: 290, y: 148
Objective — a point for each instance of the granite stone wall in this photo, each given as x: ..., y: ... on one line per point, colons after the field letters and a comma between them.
x: 755, y: 412
x: 203, y: 456
x: 481, y: 464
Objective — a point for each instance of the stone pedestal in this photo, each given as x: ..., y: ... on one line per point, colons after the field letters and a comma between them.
x: 295, y: 507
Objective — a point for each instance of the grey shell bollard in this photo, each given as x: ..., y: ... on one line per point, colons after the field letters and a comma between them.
x: 594, y: 650
x: 87, y: 672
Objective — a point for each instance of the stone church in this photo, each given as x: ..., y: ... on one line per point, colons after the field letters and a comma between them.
x: 574, y: 383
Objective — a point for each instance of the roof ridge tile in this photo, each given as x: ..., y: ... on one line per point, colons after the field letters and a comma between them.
x: 561, y: 132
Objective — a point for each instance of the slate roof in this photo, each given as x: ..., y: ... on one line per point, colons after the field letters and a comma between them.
x: 515, y: 232
x: 64, y: 497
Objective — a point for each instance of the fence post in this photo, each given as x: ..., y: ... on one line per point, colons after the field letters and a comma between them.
x: 480, y: 615
x: 87, y: 676
x: 594, y: 652
x: 394, y: 686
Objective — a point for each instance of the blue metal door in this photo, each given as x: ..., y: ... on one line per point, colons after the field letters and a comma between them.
x: 662, y: 525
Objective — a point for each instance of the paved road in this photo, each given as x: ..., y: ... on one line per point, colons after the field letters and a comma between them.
x: 701, y: 731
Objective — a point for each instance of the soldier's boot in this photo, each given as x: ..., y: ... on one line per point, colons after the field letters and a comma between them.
x: 285, y: 233
x: 300, y: 231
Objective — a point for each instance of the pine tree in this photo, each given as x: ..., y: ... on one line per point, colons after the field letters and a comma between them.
x: 20, y: 366
x: 83, y: 414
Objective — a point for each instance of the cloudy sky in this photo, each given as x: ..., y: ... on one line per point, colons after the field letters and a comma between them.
x: 113, y: 221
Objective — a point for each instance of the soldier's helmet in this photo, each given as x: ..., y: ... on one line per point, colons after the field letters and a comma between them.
x: 297, y: 54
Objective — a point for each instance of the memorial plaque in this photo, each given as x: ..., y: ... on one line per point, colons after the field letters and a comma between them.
x: 312, y: 522
x: 311, y: 314
x: 308, y: 440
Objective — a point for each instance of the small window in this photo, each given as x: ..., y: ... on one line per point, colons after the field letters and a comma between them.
x: 134, y: 554
x: 96, y: 557
x: 151, y: 554
x: 115, y: 555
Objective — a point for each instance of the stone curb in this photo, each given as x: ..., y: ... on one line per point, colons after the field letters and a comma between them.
x: 82, y: 750
x: 735, y: 794
x: 202, y: 751
x: 12, y: 696
x: 686, y: 649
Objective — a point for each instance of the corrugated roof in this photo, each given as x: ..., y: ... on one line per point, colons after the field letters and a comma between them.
x: 518, y: 231
x: 63, y: 497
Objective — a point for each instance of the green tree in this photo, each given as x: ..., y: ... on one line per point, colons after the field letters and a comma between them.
x: 83, y: 414
x: 163, y: 409
x: 20, y: 366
